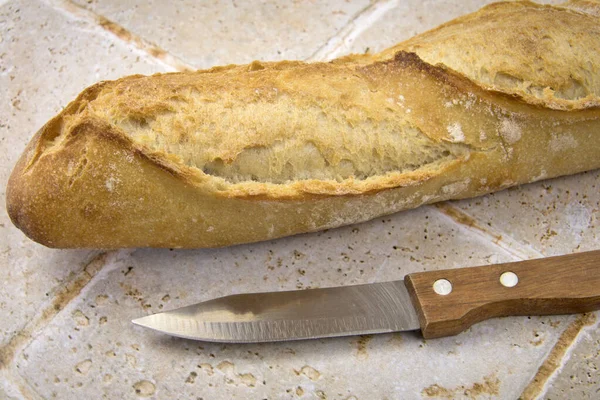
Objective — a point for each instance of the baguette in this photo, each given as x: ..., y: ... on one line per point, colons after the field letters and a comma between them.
x: 243, y: 153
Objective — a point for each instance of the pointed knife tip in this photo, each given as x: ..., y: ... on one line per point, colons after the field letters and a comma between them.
x: 140, y: 322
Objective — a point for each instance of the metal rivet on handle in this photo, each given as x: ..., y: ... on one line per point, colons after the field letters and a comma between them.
x: 509, y: 279
x: 442, y: 287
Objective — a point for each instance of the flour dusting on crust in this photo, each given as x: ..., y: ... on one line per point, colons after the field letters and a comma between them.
x: 456, y: 133
x: 562, y: 142
x: 510, y: 131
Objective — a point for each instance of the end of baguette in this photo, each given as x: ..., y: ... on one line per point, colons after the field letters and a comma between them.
x: 23, y: 196
x: 32, y: 192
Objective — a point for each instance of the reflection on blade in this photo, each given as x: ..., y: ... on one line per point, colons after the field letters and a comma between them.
x: 303, y: 314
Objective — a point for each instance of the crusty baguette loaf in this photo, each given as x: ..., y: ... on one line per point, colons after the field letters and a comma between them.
x: 235, y: 154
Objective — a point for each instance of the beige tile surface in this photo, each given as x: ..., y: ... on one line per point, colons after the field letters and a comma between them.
x: 223, y: 32
x: 101, y: 352
x: 77, y: 305
x: 46, y: 59
x: 557, y: 216
x: 5, y: 393
x: 553, y: 217
x: 580, y: 376
x: 410, y: 18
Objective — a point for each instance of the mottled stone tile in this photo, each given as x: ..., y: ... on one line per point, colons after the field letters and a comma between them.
x: 579, y: 377
x: 412, y: 17
x: 557, y: 216
x: 46, y: 59
x: 215, y: 32
x: 101, y: 352
x: 90, y: 348
x: 553, y: 217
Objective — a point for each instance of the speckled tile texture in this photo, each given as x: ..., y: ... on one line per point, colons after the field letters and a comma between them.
x: 66, y: 330
x: 46, y: 59
x: 209, y: 33
x: 580, y: 376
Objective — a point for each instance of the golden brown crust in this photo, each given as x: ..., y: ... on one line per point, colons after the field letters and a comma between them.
x: 245, y: 153
x: 540, y: 53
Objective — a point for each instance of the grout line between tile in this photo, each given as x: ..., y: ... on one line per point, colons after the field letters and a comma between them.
x: 116, y: 31
x: 64, y: 295
x: 558, y: 356
x: 341, y: 41
x: 96, y: 268
x: 16, y: 387
x: 499, y: 238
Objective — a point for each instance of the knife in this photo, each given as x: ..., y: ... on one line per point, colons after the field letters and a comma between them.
x: 439, y: 303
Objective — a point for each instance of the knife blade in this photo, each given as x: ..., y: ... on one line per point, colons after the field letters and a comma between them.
x: 300, y: 314
x: 439, y: 303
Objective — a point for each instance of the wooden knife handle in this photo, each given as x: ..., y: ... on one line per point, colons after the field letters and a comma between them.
x: 556, y: 285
